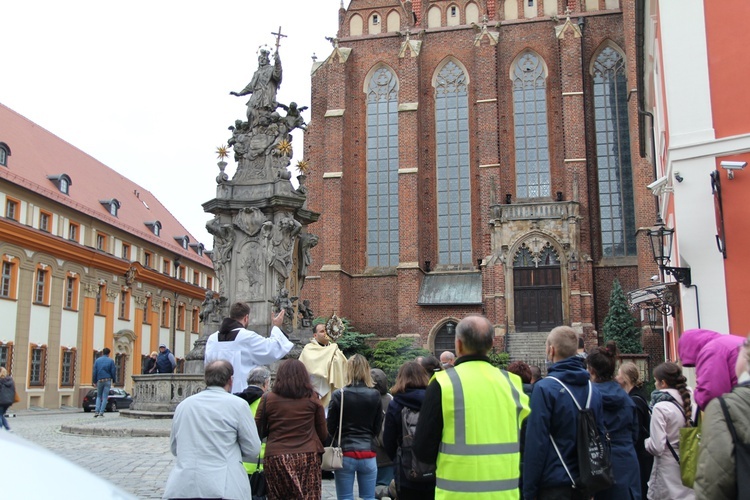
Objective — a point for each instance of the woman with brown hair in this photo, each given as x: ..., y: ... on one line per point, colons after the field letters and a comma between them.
x: 672, y: 408
x: 408, y: 394
x: 361, y: 422
x: 293, y: 420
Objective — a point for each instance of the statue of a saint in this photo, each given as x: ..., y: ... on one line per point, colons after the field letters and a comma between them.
x: 262, y: 88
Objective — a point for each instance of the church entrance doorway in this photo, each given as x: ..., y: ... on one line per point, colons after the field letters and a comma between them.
x: 537, y: 290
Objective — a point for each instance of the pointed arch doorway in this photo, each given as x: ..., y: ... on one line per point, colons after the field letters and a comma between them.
x: 537, y: 289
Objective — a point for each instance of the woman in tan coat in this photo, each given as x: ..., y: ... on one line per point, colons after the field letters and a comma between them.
x: 716, y: 477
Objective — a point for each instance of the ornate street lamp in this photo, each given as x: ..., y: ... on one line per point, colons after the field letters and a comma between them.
x: 661, y: 238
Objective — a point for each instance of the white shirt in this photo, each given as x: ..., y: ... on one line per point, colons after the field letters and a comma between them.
x: 247, y: 351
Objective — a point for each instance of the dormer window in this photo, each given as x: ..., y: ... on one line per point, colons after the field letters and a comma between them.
x: 62, y: 181
x: 183, y: 241
x: 154, y: 226
x: 3, y: 157
x: 4, y: 154
x: 112, y: 206
x: 198, y: 248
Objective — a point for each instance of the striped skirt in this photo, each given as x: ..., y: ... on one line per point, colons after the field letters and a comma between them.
x: 294, y: 475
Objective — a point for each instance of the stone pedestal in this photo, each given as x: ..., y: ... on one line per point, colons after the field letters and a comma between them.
x: 163, y: 392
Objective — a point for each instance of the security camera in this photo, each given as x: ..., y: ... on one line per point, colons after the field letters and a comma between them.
x: 657, y: 184
x: 655, y: 277
x: 731, y: 166
x: 678, y: 177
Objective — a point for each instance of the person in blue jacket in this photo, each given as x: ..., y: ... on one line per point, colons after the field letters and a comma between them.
x: 165, y: 361
x: 621, y: 422
x: 554, y: 416
x: 103, y: 375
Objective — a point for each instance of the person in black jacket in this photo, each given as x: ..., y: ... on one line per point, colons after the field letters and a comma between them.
x: 629, y: 378
x: 408, y: 392
x: 361, y: 422
x: 149, y: 367
x: 7, y: 395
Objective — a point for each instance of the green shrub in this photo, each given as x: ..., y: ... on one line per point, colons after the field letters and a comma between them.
x: 499, y: 359
x: 389, y: 355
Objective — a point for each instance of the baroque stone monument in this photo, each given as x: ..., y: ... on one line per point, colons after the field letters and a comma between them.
x: 261, y: 246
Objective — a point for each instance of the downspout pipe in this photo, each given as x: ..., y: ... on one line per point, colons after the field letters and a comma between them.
x: 640, y: 42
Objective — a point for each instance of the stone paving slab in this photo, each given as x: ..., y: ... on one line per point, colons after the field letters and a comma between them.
x: 118, y: 426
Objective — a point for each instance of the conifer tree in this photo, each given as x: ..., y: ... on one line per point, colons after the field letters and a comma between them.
x: 620, y: 325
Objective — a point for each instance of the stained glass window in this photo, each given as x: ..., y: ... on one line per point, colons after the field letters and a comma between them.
x: 382, y: 169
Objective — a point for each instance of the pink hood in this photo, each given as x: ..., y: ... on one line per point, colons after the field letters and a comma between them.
x: 714, y: 356
x: 691, y: 342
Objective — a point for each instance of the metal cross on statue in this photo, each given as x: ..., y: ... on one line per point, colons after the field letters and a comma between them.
x: 278, y: 36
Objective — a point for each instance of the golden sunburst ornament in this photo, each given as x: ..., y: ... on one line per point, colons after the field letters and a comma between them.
x: 285, y: 148
x: 222, y: 152
x: 303, y: 166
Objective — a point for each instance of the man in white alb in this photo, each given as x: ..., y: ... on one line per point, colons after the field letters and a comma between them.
x: 243, y: 348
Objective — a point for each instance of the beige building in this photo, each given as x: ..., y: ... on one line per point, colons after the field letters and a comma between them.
x: 89, y: 259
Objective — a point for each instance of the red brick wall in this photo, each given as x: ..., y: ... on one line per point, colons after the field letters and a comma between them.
x: 387, y: 304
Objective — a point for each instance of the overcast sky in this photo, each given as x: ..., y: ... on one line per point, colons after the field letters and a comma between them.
x: 143, y: 86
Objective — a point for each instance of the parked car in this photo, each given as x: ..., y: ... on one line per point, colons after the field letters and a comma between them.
x: 117, y: 400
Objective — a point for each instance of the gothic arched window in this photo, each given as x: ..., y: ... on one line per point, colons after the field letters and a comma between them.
x: 382, y: 169
x: 529, y: 77
x: 615, y: 176
x: 452, y: 153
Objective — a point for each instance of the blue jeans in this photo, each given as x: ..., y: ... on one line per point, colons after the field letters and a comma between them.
x: 102, y: 393
x: 366, y: 470
x: 385, y: 475
x: 3, y: 420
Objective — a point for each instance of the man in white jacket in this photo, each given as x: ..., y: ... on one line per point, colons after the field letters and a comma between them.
x: 212, y: 433
x: 243, y: 348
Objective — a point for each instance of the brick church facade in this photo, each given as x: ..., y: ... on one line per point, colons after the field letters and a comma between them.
x: 477, y: 157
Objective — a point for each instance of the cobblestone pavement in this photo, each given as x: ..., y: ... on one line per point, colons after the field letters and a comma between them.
x: 139, y: 465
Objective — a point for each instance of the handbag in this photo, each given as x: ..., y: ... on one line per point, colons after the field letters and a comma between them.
x: 333, y: 456
x: 690, y: 441
x: 258, y: 483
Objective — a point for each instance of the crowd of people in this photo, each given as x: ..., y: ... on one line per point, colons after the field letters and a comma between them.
x: 457, y: 426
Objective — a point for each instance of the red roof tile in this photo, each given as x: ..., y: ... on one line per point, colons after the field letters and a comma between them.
x: 36, y: 153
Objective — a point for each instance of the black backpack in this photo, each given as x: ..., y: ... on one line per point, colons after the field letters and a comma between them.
x: 413, y: 469
x: 594, y: 463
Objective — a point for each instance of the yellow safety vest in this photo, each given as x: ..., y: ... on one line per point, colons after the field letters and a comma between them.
x: 250, y: 467
x: 479, y: 455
